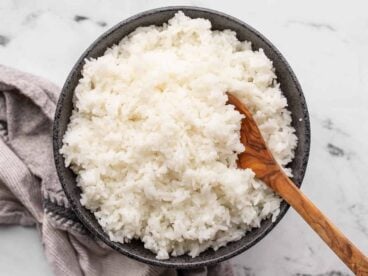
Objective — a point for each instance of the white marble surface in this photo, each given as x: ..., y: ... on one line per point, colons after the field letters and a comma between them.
x: 326, y: 43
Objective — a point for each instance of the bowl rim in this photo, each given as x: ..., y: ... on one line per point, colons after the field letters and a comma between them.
x: 59, y: 160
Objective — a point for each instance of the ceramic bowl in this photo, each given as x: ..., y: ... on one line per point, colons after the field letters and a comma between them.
x: 289, y: 86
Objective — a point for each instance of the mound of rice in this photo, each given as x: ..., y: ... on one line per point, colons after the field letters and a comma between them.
x: 155, y: 145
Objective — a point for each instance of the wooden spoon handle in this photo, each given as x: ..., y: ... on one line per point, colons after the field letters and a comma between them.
x: 332, y: 236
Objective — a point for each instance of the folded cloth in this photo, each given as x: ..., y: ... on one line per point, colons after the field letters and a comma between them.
x: 31, y: 195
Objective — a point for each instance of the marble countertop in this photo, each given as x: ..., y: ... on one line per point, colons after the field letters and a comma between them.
x: 326, y: 44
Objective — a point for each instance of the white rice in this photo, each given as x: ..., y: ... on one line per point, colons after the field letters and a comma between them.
x: 155, y: 145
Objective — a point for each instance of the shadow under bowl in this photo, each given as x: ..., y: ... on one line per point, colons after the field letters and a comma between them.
x: 291, y: 90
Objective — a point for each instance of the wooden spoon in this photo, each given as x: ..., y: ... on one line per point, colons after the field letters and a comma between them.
x: 259, y: 158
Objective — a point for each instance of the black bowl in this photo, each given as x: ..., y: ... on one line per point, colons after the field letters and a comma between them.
x: 289, y: 86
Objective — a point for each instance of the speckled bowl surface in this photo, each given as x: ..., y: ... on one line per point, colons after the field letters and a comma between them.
x: 220, y: 21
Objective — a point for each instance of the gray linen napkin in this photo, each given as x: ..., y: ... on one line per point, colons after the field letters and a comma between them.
x: 31, y: 195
